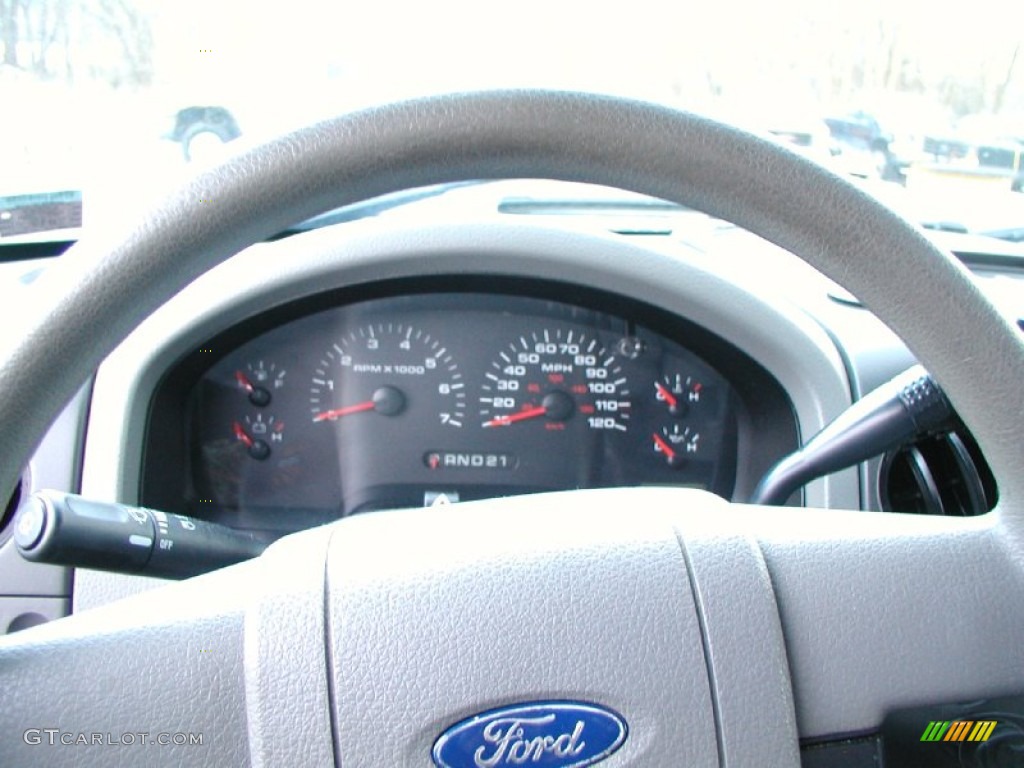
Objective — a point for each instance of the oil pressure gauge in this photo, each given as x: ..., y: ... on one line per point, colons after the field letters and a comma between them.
x: 676, y: 444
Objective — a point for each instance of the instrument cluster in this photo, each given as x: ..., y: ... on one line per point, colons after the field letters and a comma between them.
x: 435, y: 398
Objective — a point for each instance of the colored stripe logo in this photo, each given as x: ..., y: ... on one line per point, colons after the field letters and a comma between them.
x: 958, y: 730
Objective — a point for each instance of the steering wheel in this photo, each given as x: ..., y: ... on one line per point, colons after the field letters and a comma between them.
x: 711, y: 634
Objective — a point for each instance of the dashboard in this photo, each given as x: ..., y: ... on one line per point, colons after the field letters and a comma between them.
x: 215, y: 406
x: 435, y: 391
x: 166, y: 422
x: 347, y: 372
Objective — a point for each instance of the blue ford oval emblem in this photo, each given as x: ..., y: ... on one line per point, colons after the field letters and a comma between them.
x: 545, y: 734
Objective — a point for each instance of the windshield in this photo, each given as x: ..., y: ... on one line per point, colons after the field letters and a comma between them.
x: 103, y: 98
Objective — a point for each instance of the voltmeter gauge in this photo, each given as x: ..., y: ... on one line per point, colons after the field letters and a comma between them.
x: 259, y: 434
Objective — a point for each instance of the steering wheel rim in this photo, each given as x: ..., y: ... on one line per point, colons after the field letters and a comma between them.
x: 970, y: 348
x: 113, y: 278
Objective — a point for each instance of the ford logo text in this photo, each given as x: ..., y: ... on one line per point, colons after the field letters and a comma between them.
x: 543, y: 734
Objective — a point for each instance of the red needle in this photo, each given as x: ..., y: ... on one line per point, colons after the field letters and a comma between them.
x: 668, y: 396
x: 240, y: 434
x: 529, y: 413
x: 243, y: 381
x: 338, y: 412
x: 665, y: 447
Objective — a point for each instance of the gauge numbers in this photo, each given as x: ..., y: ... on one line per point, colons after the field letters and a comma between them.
x: 387, y: 370
x: 555, y: 377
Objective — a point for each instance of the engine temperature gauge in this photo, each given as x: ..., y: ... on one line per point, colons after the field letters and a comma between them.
x: 678, y: 393
x: 676, y: 443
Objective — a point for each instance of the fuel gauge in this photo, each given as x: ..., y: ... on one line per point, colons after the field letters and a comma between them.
x: 676, y: 443
x: 257, y: 381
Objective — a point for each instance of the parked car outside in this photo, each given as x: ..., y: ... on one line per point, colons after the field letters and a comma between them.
x: 199, y: 129
x: 868, y: 147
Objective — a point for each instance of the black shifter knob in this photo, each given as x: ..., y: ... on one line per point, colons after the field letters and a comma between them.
x: 909, y: 405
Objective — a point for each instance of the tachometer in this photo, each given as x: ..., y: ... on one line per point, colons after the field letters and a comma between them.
x: 554, y: 377
x: 387, y: 370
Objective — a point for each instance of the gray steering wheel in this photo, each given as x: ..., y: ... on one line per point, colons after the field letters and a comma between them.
x: 716, y: 634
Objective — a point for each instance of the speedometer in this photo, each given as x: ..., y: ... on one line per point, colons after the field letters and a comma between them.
x: 387, y: 369
x: 552, y: 378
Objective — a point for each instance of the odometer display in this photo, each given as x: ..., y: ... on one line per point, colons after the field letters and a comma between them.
x: 553, y: 378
